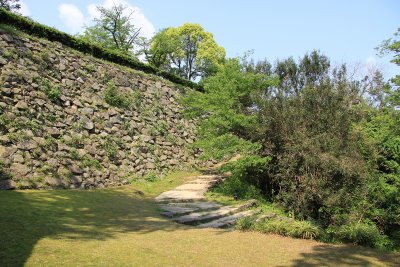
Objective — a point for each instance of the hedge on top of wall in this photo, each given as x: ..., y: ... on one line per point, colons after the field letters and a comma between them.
x: 34, y: 28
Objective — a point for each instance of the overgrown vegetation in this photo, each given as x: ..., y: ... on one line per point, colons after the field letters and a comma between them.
x: 313, y: 139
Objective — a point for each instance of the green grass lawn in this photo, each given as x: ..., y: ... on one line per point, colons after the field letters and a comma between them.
x: 118, y: 227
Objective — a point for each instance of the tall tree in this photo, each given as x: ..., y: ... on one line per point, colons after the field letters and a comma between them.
x: 113, y: 29
x: 188, y: 51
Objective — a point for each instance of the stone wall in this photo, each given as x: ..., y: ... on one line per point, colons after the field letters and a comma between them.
x: 68, y: 120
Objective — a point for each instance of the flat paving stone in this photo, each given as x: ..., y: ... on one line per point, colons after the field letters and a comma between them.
x: 193, y: 187
x: 229, y: 220
x: 179, y: 209
x: 199, y: 217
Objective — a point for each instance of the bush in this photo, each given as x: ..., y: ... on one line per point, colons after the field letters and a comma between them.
x: 285, y: 227
x: 245, y: 223
x: 248, y: 174
x: 234, y: 186
x: 360, y: 234
x: 281, y: 226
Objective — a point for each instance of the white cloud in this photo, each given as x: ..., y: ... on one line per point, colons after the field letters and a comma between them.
x: 72, y: 17
x: 138, y: 19
x: 24, y: 10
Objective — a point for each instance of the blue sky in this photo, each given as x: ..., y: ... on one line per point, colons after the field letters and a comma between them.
x: 344, y: 30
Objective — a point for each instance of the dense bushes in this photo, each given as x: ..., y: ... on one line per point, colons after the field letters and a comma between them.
x: 34, y: 28
x: 319, y: 148
x: 281, y: 226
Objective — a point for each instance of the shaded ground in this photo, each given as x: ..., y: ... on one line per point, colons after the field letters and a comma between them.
x: 118, y: 227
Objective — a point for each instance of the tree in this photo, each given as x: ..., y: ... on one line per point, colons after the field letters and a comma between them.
x: 188, y: 51
x: 113, y: 30
x: 392, y: 46
x: 10, y: 5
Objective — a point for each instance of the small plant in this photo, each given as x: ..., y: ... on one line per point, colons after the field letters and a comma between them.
x: 10, y: 53
x: 150, y: 177
x: 52, y: 92
x: 76, y: 141
x: 127, y: 100
x: 111, y: 146
x: 50, y: 143
x: 73, y: 154
x: 17, y: 137
x: 170, y: 138
x: 77, y: 126
x: 113, y: 97
x: 46, y: 169
x: 89, y: 67
x: 88, y: 161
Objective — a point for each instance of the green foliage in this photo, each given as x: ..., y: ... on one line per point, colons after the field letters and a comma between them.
x: 89, y: 161
x: 10, y: 53
x: 234, y: 186
x: 187, y: 51
x: 225, y: 111
x: 382, y: 133
x: 30, y: 27
x: 150, y: 177
x: 160, y: 129
x: 111, y: 146
x: 50, y: 143
x: 116, y: 98
x: 53, y: 92
x: 281, y: 226
x: 247, y: 175
x: 362, y: 234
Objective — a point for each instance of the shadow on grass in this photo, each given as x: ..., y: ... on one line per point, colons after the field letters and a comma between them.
x: 28, y: 216
x: 346, y: 255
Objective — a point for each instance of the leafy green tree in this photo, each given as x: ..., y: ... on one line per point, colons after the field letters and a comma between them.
x: 225, y: 110
x: 188, y: 51
x: 10, y: 5
x: 113, y: 30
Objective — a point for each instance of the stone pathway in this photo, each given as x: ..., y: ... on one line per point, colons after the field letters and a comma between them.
x: 187, y: 204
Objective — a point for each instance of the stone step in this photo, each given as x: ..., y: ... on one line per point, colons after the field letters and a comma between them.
x: 194, y: 187
x: 206, y: 216
x: 191, y: 191
x: 179, y: 209
x: 229, y: 220
x: 181, y: 196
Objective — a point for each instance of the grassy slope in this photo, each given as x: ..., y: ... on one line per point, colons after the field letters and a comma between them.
x: 116, y: 227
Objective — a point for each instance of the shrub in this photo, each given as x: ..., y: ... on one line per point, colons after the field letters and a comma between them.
x: 245, y: 223
x: 285, y: 227
x: 360, y: 234
x: 234, y: 186
x: 150, y: 176
x: 281, y: 226
x: 115, y: 98
x: 248, y: 174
